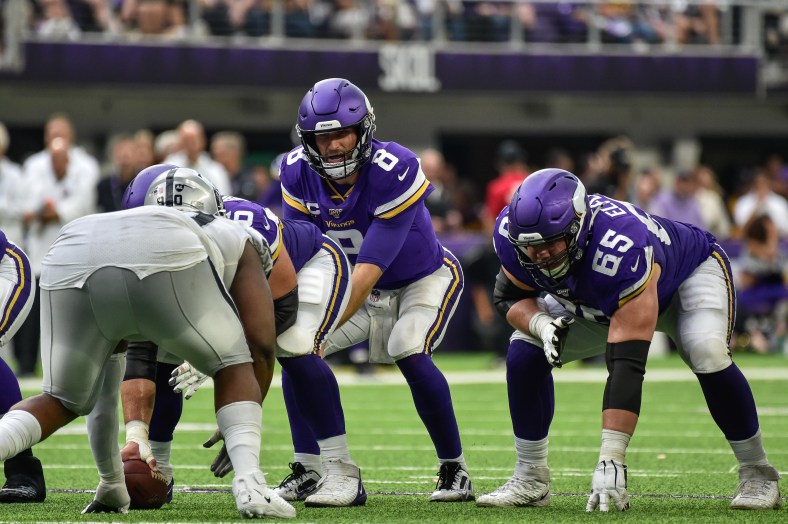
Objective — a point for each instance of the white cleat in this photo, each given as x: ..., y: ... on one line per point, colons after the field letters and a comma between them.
x: 110, y: 498
x: 757, y: 488
x: 531, y: 491
x: 340, y: 487
x: 255, y: 500
x: 299, y: 484
x: 454, y: 484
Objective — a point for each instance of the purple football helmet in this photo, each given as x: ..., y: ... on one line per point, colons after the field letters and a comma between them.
x: 550, y: 204
x: 331, y: 105
x: 134, y: 196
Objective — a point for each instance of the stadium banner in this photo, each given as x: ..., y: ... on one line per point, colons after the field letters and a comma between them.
x: 390, y: 67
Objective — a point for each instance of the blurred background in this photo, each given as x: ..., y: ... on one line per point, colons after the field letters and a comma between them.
x: 679, y: 106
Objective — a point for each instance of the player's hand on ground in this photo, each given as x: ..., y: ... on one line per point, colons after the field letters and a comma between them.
x: 221, y: 465
x: 186, y: 379
x: 609, y: 484
x: 138, y: 449
x: 553, y: 338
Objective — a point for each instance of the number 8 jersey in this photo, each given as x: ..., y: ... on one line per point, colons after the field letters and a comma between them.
x: 390, y: 190
x: 624, y: 243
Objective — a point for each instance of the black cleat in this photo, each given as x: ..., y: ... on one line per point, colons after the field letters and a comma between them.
x: 24, y: 480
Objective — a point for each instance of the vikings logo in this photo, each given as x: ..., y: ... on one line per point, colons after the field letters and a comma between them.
x: 335, y: 212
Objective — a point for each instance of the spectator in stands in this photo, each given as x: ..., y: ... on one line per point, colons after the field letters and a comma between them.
x: 166, y: 143
x: 762, y: 290
x: 269, y: 188
x: 612, y: 180
x: 154, y: 17
x: 56, y: 21
x: 226, y: 17
x: 59, y: 126
x: 488, y: 21
x: 647, y: 186
x: 347, y: 19
x: 55, y: 196
x: 760, y: 199
x: 698, y: 24
x: 12, y: 192
x: 440, y: 202
x: 228, y: 149
x: 554, y: 22
x: 559, y: 158
x: 192, y: 154
x: 512, y: 170
x: 713, y: 209
x: 94, y: 16
x: 776, y: 169
x: 123, y: 168
x: 144, y: 149
x: 678, y: 202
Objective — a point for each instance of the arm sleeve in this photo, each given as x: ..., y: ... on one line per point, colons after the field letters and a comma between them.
x: 385, y: 238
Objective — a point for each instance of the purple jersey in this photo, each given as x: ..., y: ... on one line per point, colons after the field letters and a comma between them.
x: 302, y: 240
x: 3, y: 244
x: 381, y: 219
x: 624, y: 243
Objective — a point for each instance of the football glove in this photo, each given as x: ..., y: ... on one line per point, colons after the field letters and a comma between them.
x: 221, y: 465
x: 609, y: 484
x: 186, y: 379
x: 553, y: 332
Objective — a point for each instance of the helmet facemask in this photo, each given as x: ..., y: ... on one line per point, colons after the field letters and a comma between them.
x: 555, y: 268
x: 354, y: 158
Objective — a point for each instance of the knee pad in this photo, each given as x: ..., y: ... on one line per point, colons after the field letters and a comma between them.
x: 705, y: 353
x: 295, y: 341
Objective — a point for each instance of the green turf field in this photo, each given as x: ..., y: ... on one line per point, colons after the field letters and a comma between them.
x: 681, y: 468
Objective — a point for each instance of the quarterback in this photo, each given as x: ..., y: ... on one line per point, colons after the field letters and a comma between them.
x: 369, y: 196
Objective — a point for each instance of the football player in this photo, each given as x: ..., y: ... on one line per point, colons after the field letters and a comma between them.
x: 151, y: 274
x: 309, y: 283
x: 610, y: 275
x: 369, y: 196
x: 23, y: 473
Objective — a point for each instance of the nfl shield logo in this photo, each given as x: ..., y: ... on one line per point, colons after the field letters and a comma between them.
x: 374, y: 296
x: 335, y: 212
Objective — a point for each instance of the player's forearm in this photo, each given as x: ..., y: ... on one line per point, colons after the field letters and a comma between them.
x: 364, y: 278
x: 520, y: 314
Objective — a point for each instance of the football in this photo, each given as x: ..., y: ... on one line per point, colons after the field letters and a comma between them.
x: 147, y: 488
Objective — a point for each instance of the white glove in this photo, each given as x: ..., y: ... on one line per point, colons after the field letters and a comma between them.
x: 222, y: 465
x: 609, y: 483
x: 186, y: 379
x: 553, y: 332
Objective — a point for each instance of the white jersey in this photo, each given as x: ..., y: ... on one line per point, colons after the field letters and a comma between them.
x: 145, y: 240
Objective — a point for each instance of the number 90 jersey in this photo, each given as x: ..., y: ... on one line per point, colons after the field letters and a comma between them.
x: 624, y: 243
x: 390, y: 187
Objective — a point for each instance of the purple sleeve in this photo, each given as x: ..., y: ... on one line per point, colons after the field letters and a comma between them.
x: 291, y: 213
x: 385, y: 238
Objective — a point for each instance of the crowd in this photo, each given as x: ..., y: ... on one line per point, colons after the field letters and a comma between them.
x: 355, y: 257
x: 673, y: 21
x: 64, y: 181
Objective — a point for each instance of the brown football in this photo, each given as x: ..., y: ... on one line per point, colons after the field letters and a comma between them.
x: 147, y: 488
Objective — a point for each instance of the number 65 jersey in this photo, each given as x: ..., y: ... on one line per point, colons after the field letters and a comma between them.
x: 364, y: 218
x: 624, y: 242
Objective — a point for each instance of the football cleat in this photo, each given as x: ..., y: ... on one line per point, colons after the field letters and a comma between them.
x: 517, y: 491
x: 255, y: 500
x: 340, y: 487
x: 24, y: 480
x: 299, y: 484
x: 757, y: 488
x: 454, y: 484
